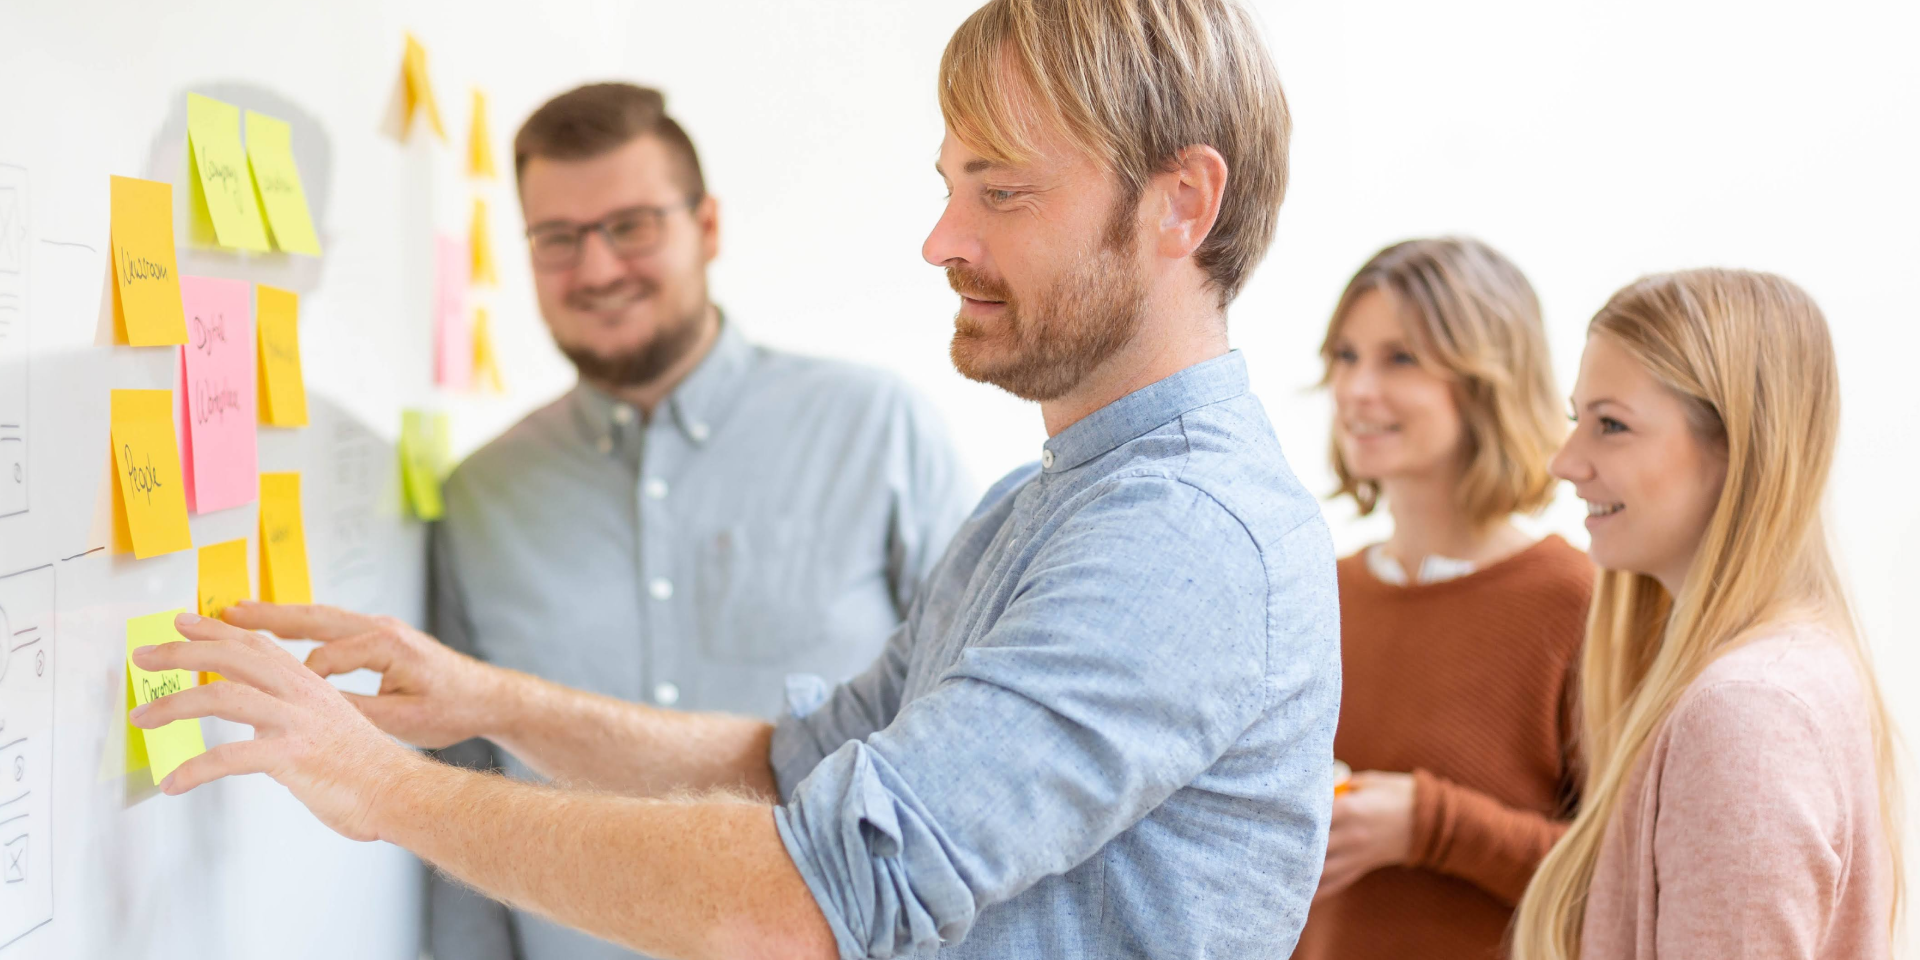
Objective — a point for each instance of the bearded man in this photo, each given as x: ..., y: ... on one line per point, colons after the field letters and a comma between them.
x: 1104, y: 728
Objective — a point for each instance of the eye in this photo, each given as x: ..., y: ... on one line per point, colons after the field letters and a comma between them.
x: 624, y: 228
x: 999, y: 196
x: 1345, y: 355
x: 1405, y: 359
x: 1610, y: 425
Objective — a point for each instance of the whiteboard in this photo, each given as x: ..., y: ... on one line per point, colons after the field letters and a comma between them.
x: 94, y: 863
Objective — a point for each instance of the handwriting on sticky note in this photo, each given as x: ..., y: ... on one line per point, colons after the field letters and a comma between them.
x: 283, y: 390
x: 218, y: 360
x: 147, y: 461
x: 223, y: 582
x: 270, y: 155
x: 222, y: 186
x: 146, y: 288
x: 177, y: 742
x: 283, y: 541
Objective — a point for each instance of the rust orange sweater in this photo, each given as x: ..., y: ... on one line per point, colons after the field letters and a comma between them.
x: 1468, y: 684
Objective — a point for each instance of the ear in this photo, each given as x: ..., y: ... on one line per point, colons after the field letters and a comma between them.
x: 706, y: 214
x: 1192, y: 188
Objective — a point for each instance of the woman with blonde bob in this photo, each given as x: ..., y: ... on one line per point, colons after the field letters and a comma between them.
x: 1459, y: 633
x: 1741, y: 797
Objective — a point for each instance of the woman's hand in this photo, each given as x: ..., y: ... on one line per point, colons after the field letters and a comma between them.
x: 1372, y: 828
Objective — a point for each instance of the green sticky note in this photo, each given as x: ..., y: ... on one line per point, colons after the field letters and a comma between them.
x: 270, y: 154
x: 179, y: 741
x: 424, y: 451
x: 221, y: 181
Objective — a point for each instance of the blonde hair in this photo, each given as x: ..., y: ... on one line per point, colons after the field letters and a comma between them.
x: 1133, y: 83
x: 1751, y: 356
x: 1471, y: 316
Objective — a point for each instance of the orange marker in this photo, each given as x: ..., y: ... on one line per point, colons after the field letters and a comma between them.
x: 1342, y: 779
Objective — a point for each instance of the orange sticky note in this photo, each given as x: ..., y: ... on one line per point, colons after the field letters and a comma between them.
x: 223, y: 582
x: 486, y: 360
x: 479, y: 140
x: 177, y: 742
x: 283, y: 541
x: 146, y: 281
x: 146, y: 460
x: 419, y: 87
x: 283, y: 389
x: 483, y: 272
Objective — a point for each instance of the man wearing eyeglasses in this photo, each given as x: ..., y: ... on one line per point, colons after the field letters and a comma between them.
x: 698, y: 518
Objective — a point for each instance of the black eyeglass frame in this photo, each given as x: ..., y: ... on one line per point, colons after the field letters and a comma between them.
x: 655, y: 214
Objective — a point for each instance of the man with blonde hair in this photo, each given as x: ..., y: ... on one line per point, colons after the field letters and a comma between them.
x: 1104, y: 728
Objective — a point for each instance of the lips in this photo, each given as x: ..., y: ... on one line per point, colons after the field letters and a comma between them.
x: 1597, y: 509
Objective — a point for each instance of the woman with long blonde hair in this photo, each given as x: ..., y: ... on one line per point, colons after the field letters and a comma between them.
x: 1740, y: 797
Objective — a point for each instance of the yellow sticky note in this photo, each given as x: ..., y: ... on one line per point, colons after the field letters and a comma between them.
x: 283, y: 390
x: 277, y: 180
x: 477, y: 239
x: 419, y: 87
x: 179, y: 741
x: 136, y: 740
x: 222, y: 187
x: 146, y: 281
x: 486, y: 360
x: 283, y: 541
x: 146, y: 460
x: 424, y: 446
x: 479, y: 140
x: 223, y: 582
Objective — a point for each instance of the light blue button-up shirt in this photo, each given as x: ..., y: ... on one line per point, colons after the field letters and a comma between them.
x: 1105, y: 729
x: 776, y: 514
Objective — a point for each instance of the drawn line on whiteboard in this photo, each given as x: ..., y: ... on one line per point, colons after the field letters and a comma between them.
x: 24, y: 630
x: 17, y: 816
x: 22, y: 646
x: 9, y: 745
x: 84, y: 553
x: 31, y: 929
x: 69, y: 243
x: 22, y: 796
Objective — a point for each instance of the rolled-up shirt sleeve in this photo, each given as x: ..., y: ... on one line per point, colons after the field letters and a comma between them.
x: 1132, y: 655
x: 819, y: 719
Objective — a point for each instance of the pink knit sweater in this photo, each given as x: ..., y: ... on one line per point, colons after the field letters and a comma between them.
x: 1752, y: 829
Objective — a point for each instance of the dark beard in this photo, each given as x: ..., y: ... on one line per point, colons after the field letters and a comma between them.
x: 644, y: 364
x: 1085, y: 317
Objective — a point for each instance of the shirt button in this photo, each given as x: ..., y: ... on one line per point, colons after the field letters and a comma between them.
x: 622, y: 414
x: 661, y: 588
x: 605, y: 444
x: 656, y: 488
x: 666, y: 694
x: 1046, y: 459
x: 698, y: 431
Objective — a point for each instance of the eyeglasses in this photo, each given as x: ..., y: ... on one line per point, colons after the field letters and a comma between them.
x: 632, y: 232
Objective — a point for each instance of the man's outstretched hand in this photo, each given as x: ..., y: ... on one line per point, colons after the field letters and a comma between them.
x: 305, y: 734
x: 430, y: 695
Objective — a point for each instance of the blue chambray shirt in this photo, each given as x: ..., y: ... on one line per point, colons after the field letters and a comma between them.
x: 1105, y: 728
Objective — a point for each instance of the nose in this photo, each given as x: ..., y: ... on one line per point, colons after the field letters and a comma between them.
x: 1354, y: 383
x: 952, y: 239
x: 1571, y: 463
x: 598, y: 264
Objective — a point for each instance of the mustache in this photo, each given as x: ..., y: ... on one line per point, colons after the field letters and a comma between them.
x: 976, y: 285
x: 580, y: 298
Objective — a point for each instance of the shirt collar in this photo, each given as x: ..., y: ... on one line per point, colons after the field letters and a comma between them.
x: 694, y: 407
x: 1208, y: 382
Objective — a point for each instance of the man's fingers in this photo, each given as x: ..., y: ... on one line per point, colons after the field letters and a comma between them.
x: 398, y: 715
x: 233, y: 658
x: 225, y: 760
x: 299, y: 621
x: 228, y: 701
x: 370, y: 651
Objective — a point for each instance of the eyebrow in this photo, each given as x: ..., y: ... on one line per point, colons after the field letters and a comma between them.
x: 1596, y: 404
x: 972, y: 166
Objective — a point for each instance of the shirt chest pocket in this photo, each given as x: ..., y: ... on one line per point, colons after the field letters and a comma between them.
x: 765, y: 591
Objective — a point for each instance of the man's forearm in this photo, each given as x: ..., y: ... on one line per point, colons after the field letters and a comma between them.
x: 693, y: 878
x: 586, y: 739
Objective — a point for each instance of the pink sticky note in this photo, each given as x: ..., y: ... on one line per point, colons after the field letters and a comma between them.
x: 221, y: 466
x: 453, y: 358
